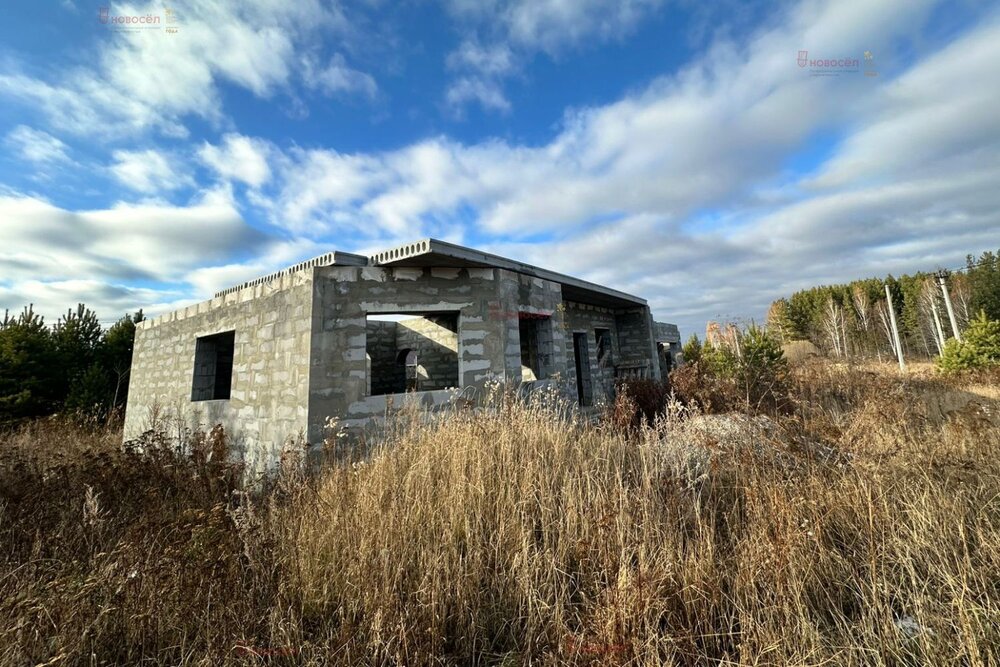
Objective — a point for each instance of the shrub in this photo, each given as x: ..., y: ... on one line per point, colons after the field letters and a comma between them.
x: 697, y: 384
x: 749, y: 373
x: 979, y: 349
x: 762, y: 371
x: 692, y: 350
x: 638, y: 401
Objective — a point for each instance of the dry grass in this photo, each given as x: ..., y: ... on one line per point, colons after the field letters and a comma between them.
x: 864, y: 529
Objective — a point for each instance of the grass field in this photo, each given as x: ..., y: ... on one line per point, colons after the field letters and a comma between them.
x: 861, y: 529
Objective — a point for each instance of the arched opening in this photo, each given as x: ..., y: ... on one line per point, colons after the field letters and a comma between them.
x: 408, y: 359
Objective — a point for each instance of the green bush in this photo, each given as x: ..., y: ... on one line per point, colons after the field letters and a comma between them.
x: 749, y: 374
x: 979, y: 349
x: 692, y: 350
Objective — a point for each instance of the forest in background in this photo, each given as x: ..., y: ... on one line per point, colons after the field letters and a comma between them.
x: 853, y: 319
x: 74, y: 365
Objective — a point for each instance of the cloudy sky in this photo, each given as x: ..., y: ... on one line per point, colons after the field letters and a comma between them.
x: 665, y: 148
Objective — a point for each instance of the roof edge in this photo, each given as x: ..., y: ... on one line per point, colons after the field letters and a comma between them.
x: 399, y: 254
x: 334, y: 258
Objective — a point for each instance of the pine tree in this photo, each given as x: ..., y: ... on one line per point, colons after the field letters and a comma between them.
x: 29, y: 370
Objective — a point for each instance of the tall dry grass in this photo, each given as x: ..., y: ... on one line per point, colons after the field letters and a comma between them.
x: 862, y: 529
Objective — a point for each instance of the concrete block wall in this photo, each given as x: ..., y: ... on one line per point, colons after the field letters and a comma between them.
x: 587, y: 318
x: 635, y: 340
x: 669, y: 336
x: 270, y: 382
x: 666, y: 333
x: 344, y: 296
x: 523, y: 295
x: 503, y: 312
x: 384, y: 374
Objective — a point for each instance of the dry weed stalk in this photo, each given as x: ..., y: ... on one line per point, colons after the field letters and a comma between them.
x: 861, y: 529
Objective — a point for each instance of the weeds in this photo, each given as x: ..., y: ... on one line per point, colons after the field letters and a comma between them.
x: 861, y: 528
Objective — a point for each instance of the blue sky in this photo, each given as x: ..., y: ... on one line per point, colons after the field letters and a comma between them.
x: 669, y: 149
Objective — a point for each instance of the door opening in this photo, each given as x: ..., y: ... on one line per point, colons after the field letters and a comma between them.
x: 581, y: 355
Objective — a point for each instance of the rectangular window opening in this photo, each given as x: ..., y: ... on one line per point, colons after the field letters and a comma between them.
x: 536, y: 346
x: 213, y: 367
x: 604, y: 353
x: 415, y: 351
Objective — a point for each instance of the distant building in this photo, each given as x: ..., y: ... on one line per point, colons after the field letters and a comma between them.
x: 343, y: 334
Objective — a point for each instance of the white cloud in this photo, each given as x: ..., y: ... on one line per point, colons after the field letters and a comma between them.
x: 698, y: 138
x: 931, y: 113
x: 908, y: 189
x: 35, y: 145
x: 109, y: 258
x: 151, y: 79
x: 274, y: 256
x: 110, y: 301
x: 492, y: 60
x: 488, y: 94
x: 148, y: 171
x: 113, y: 247
x: 680, y: 192
x: 552, y: 25
x: 515, y: 30
x: 338, y: 78
x: 321, y: 189
x: 239, y: 158
x: 659, y: 193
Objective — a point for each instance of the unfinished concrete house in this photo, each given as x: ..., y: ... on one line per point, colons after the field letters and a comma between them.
x: 346, y: 335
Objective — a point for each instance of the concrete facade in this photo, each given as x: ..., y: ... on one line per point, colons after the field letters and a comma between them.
x: 311, y: 342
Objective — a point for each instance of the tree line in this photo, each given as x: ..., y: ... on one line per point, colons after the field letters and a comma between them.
x: 853, y: 319
x: 74, y: 365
